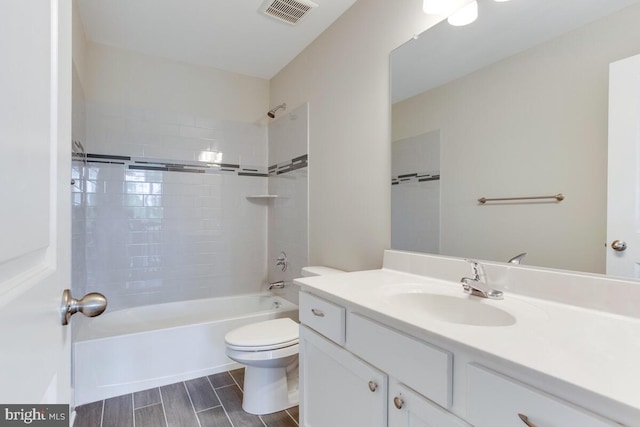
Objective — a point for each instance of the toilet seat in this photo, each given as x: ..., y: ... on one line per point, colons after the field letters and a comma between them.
x: 262, y: 347
x: 263, y: 336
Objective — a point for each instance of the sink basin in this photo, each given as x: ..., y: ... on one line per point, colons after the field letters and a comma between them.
x: 464, y: 310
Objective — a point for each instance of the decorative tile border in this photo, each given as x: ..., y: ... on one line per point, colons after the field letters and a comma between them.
x: 289, y: 166
x: 415, y: 177
x: 134, y: 163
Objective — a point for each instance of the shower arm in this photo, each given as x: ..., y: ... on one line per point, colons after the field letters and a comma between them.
x: 272, y: 113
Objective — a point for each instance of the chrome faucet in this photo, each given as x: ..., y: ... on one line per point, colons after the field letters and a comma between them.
x: 276, y: 285
x: 518, y: 258
x: 476, y: 285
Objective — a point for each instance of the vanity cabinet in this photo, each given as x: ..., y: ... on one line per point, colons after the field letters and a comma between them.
x: 340, y: 389
x: 350, y: 386
x: 356, y: 371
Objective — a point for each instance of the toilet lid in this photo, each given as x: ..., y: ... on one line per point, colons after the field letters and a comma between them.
x: 269, y: 334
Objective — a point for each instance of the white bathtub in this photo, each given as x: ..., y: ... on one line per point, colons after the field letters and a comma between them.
x: 130, y: 350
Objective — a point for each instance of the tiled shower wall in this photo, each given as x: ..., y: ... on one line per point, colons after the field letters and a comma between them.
x: 288, y: 213
x: 165, y: 211
x: 174, y: 135
x: 164, y: 216
x: 160, y: 236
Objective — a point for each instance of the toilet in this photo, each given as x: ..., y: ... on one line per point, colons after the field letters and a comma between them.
x: 269, y: 352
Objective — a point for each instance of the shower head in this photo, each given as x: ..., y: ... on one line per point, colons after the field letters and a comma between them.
x: 272, y: 112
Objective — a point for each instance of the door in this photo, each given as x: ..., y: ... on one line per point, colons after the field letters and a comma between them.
x: 623, y: 204
x: 342, y: 389
x: 35, y: 142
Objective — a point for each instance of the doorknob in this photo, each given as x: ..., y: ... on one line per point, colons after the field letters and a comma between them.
x: 398, y: 402
x: 619, y: 245
x: 91, y: 305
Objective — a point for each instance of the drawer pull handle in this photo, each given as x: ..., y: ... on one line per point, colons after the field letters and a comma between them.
x: 398, y: 402
x: 317, y: 312
x: 525, y: 420
x: 373, y: 386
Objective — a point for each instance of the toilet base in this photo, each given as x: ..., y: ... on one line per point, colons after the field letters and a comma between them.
x: 269, y: 390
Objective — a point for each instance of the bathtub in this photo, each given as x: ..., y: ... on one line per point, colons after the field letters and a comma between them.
x: 130, y: 350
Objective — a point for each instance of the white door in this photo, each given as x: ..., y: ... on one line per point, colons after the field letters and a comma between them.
x: 623, y: 204
x: 35, y: 141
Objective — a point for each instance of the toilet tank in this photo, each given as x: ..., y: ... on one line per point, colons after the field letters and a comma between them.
x: 319, y: 271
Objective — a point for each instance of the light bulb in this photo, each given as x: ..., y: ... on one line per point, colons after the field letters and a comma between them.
x: 436, y: 7
x: 465, y: 15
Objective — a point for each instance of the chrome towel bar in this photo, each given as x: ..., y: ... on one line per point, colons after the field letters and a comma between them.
x: 559, y: 197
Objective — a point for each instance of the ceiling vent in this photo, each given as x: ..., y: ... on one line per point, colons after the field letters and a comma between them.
x: 289, y: 11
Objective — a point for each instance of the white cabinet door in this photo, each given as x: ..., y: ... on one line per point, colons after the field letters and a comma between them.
x: 35, y: 169
x: 337, y: 388
x: 494, y: 400
x: 409, y: 409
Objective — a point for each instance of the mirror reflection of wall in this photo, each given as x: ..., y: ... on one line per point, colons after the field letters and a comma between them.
x: 415, y: 193
x: 532, y: 124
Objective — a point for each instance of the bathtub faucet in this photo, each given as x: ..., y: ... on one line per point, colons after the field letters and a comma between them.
x: 276, y: 285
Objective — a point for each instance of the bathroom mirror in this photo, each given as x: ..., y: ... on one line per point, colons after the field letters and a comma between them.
x: 518, y: 102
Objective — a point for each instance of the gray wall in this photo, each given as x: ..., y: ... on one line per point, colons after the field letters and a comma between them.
x: 344, y: 75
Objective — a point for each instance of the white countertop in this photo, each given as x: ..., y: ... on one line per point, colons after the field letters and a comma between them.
x: 593, y: 350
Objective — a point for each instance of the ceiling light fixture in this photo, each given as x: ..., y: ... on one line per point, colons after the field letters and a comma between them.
x: 465, y: 15
x: 462, y: 16
x: 437, y: 7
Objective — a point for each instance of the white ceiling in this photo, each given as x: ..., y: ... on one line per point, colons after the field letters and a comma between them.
x: 230, y: 35
x: 444, y: 53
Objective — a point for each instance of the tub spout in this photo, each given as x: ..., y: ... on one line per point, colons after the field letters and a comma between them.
x: 276, y: 285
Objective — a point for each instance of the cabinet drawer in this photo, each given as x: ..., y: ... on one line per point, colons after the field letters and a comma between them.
x: 423, y: 367
x: 323, y: 316
x: 495, y: 401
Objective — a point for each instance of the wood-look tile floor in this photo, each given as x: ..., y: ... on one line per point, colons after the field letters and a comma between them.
x: 213, y: 401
